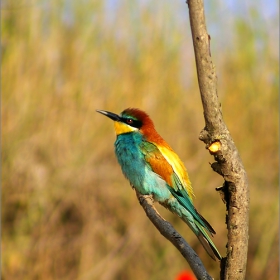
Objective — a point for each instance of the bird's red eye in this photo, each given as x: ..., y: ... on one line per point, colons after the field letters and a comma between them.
x: 129, y: 121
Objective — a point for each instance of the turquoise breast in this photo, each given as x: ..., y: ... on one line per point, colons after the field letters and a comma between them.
x: 136, y: 169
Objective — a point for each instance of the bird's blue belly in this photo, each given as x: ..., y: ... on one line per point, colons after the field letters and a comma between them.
x: 136, y: 169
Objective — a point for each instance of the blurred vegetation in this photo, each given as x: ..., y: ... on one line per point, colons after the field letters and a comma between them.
x: 67, y: 211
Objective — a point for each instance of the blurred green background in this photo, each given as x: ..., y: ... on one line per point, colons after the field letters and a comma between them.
x: 67, y: 211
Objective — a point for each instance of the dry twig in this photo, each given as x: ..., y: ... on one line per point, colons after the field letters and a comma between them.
x: 167, y: 230
x: 227, y: 163
x: 220, y: 144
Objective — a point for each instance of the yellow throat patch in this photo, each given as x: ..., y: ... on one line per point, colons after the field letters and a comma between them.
x: 122, y: 128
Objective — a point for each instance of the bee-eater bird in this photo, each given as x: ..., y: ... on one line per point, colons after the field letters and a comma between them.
x: 152, y: 167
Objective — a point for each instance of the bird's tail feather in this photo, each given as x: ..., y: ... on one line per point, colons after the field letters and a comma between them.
x: 207, y: 243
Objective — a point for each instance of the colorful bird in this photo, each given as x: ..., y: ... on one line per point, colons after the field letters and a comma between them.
x: 152, y: 167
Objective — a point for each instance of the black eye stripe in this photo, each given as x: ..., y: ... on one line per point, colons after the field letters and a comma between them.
x: 132, y: 122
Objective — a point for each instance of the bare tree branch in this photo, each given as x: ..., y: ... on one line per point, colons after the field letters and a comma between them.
x: 167, y: 230
x: 220, y: 144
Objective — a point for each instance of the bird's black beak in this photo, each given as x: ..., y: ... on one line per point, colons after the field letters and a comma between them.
x: 110, y: 115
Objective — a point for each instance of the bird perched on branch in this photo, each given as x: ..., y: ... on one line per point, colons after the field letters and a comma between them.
x: 152, y: 167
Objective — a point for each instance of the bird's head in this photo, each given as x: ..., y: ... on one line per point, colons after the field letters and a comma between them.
x: 131, y: 120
